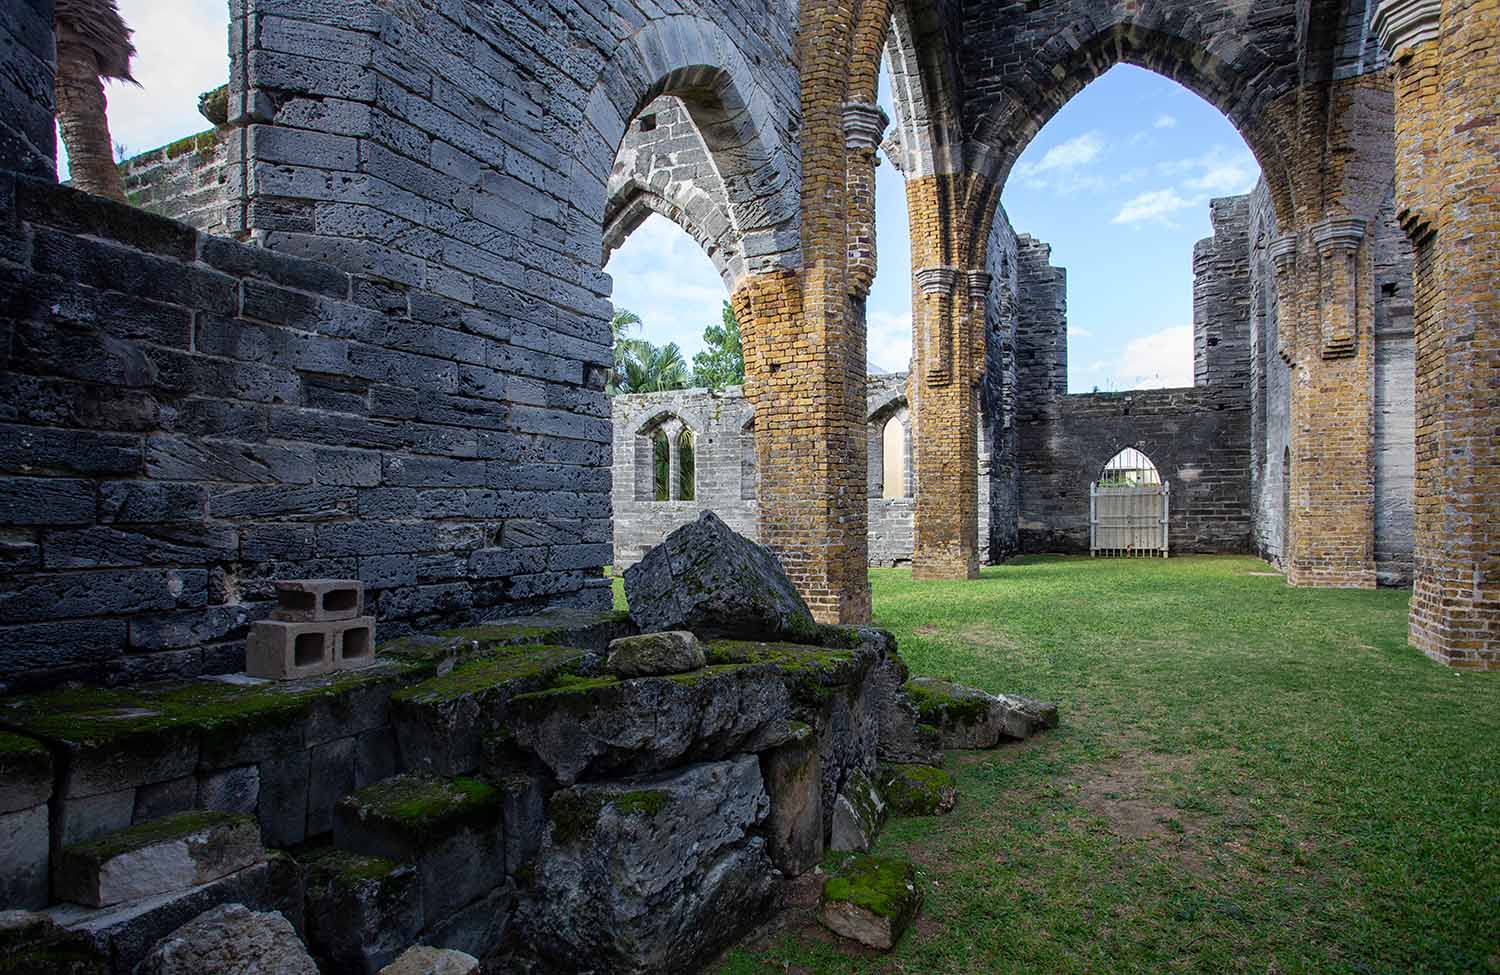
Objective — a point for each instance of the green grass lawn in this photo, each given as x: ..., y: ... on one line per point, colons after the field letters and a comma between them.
x: 1248, y: 778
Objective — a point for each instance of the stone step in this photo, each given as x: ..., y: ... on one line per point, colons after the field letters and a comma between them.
x: 362, y: 911
x: 125, y: 933
x: 451, y: 830
x: 157, y: 857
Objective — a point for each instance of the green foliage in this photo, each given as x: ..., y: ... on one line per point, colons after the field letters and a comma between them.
x: 1247, y: 778
x: 723, y: 362
x: 641, y: 367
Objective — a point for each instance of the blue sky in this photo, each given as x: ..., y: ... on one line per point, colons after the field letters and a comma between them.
x: 1118, y: 182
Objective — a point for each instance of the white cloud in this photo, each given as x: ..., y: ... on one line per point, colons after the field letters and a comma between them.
x: 889, y: 342
x: 1075, y: 332
x: 662, y: 275
x: 1160, y: 360
x: 1218, y: 172
x: 182, y: 51
x: 1060, y: 165
x: 1153, y: 205
x: 1165, y: 121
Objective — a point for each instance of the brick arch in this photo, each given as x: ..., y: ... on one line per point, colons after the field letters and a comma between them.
x: 1239, y: 79
x: 694, y: 60
x: 631, y: 201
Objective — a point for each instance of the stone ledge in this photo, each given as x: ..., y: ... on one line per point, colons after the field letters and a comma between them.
x: 157, y: 857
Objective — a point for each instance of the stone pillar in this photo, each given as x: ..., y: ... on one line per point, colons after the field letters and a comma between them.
x: 1447, y: 67
x: 674, y: 461
x: 1332, y: 520
x: 1283, y: 254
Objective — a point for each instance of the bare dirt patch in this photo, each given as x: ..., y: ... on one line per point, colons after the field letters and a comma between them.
x: 975, y: 634
x: 1128, y: 794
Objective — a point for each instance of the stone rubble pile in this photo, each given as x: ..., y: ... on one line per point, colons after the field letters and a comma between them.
x: 568, y: 792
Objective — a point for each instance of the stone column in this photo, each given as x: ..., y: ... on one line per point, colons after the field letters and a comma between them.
x: 674, y: 461
x: 1447, y: 67
x: 1283, y: 254
x: 864, y: 129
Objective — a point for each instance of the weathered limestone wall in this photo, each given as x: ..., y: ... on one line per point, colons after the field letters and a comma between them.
x: 1221, y: 297
x: 190, y: 418
x: 724, y: 446
x: 186, y: 181
x: 1271, y: 388
x: 28, y: 134
x: 998, y: 398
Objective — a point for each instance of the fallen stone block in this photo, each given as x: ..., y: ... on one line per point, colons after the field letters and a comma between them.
x: 441, y: 723
x: 231, y: 940
x: 478, y: 928
x: 126, y: 932
x: 361, y: 911
x: 318, y: 600
x: 593, y: 728
x: 871, y: 900
x: 654, y: 873
x: 423, y: 960
x: 918, y: 790
x: 33, y: 944
x: 706, y: 578
x: 969, y: 718
x: 655, y: 655
x: 793, y: 778
x: 156, y: 857
x: 450, y: 829
x: 858, y: 814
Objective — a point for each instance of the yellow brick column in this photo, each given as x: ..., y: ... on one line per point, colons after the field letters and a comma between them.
x: 1333, y: 480
x: 1447, y: 62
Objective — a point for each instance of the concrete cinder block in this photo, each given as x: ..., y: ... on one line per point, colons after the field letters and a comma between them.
x: 318, y: 600
x: 290, y: 651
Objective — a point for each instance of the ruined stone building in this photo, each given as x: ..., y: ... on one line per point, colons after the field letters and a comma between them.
x: 361, y: 332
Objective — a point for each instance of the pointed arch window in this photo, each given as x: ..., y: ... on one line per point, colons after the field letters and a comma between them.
x: 1129, y: 468
x: 661, y: 466
x: 687, y: 473
x: 893, y: 458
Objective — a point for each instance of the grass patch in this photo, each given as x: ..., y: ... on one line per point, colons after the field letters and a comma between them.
x: 1247, y: 778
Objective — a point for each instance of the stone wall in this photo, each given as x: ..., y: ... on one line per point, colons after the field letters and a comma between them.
x: 1271, y: 392
x: 188, y: 418
x: 28, y: 134
x: 1221, y: 297
x: 186, y: 180
x: 998, y: 397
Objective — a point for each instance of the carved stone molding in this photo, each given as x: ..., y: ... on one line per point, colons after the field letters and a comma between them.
x: 1338, y: 235
x: 979, y: 285
x: 1406, y: 23
x: 1283, y: 252
x: 938, y: 280
x: 864, y: 125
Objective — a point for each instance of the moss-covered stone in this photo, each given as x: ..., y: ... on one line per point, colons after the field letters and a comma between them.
x: 214, y: 105
x: 418, y: 807
x: 870, y: 899
x: 812, y: 674
x: 499, y: 666
x: 565, y: 628
x: 25, y: 772
x: 153, y: 832
x: 918, y: 790
x: 940, y: 705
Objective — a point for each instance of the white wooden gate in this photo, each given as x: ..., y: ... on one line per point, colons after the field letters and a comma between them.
x: 1129, y: 521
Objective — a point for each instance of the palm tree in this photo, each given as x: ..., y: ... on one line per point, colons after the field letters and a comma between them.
x: 654, y: 369
x: 93, y: 43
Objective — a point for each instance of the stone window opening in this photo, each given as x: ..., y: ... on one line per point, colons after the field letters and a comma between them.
x: 893, y: 460
x: 661, y: 467
x: 889, y: 445
x: 687, y: 463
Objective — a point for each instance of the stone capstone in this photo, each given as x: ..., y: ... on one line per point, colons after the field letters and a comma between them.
x: 156, y: 857
x: 655, y: 655
x: 858, y: 813
x: 423, y: 960
x: 918, y: 790
x: 231, y: 940
x: 706, y: 578
x: 654, y: 873
x: 967, y: 717
x: 871, y: 900
x: 593, y: 728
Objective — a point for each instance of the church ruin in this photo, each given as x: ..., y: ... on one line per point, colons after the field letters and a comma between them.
x: 364, y: 336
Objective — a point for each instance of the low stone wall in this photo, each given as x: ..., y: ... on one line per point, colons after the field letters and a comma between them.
x: 494, y: 784
x: 185, y: 181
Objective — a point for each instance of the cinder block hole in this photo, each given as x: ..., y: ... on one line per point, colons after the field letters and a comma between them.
x: 307, y: 650
x: 357, y: 643
x: 296, y: 600
x: 340, y: 600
